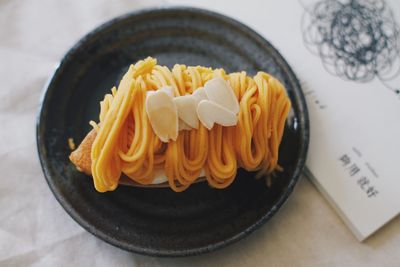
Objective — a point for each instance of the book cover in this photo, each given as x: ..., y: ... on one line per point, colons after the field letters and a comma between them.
x: 352, y: 88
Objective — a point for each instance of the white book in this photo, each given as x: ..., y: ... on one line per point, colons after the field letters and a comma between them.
x: 352, y: 87
x: 346, y: 53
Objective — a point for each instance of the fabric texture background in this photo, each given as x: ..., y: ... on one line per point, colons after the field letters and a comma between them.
x: 36, y: 231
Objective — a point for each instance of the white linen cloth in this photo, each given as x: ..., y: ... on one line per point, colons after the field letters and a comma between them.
x: 34, y: 228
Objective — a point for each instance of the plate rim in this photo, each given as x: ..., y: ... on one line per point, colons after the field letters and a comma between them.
x: 300, y: 161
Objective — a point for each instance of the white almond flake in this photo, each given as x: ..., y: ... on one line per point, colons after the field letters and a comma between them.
x: 219, y: 91
x: 183, y: 126
x: 187, y: 107
x: 168, y: 89
x: 199, y: 95
x: 163, y: 114
x: 210, y: 112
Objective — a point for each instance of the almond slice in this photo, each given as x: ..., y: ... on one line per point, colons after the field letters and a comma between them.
x: 163, y: 114
x: 168, y: 89
x: 186, y: 106
x: 199, y: 95
x: 183, y: 126
x: 210, y: 112
x: 218, y: 90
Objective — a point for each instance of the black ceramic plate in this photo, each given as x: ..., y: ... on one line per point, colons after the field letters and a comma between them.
x: 160, y: 222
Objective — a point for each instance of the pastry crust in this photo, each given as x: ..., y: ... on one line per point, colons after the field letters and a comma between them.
x: 81, y: 158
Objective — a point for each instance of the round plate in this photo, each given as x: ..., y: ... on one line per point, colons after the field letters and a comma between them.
x: 160, y: 222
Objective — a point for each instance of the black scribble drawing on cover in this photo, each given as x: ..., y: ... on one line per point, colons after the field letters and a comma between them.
x: 357, y: 40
